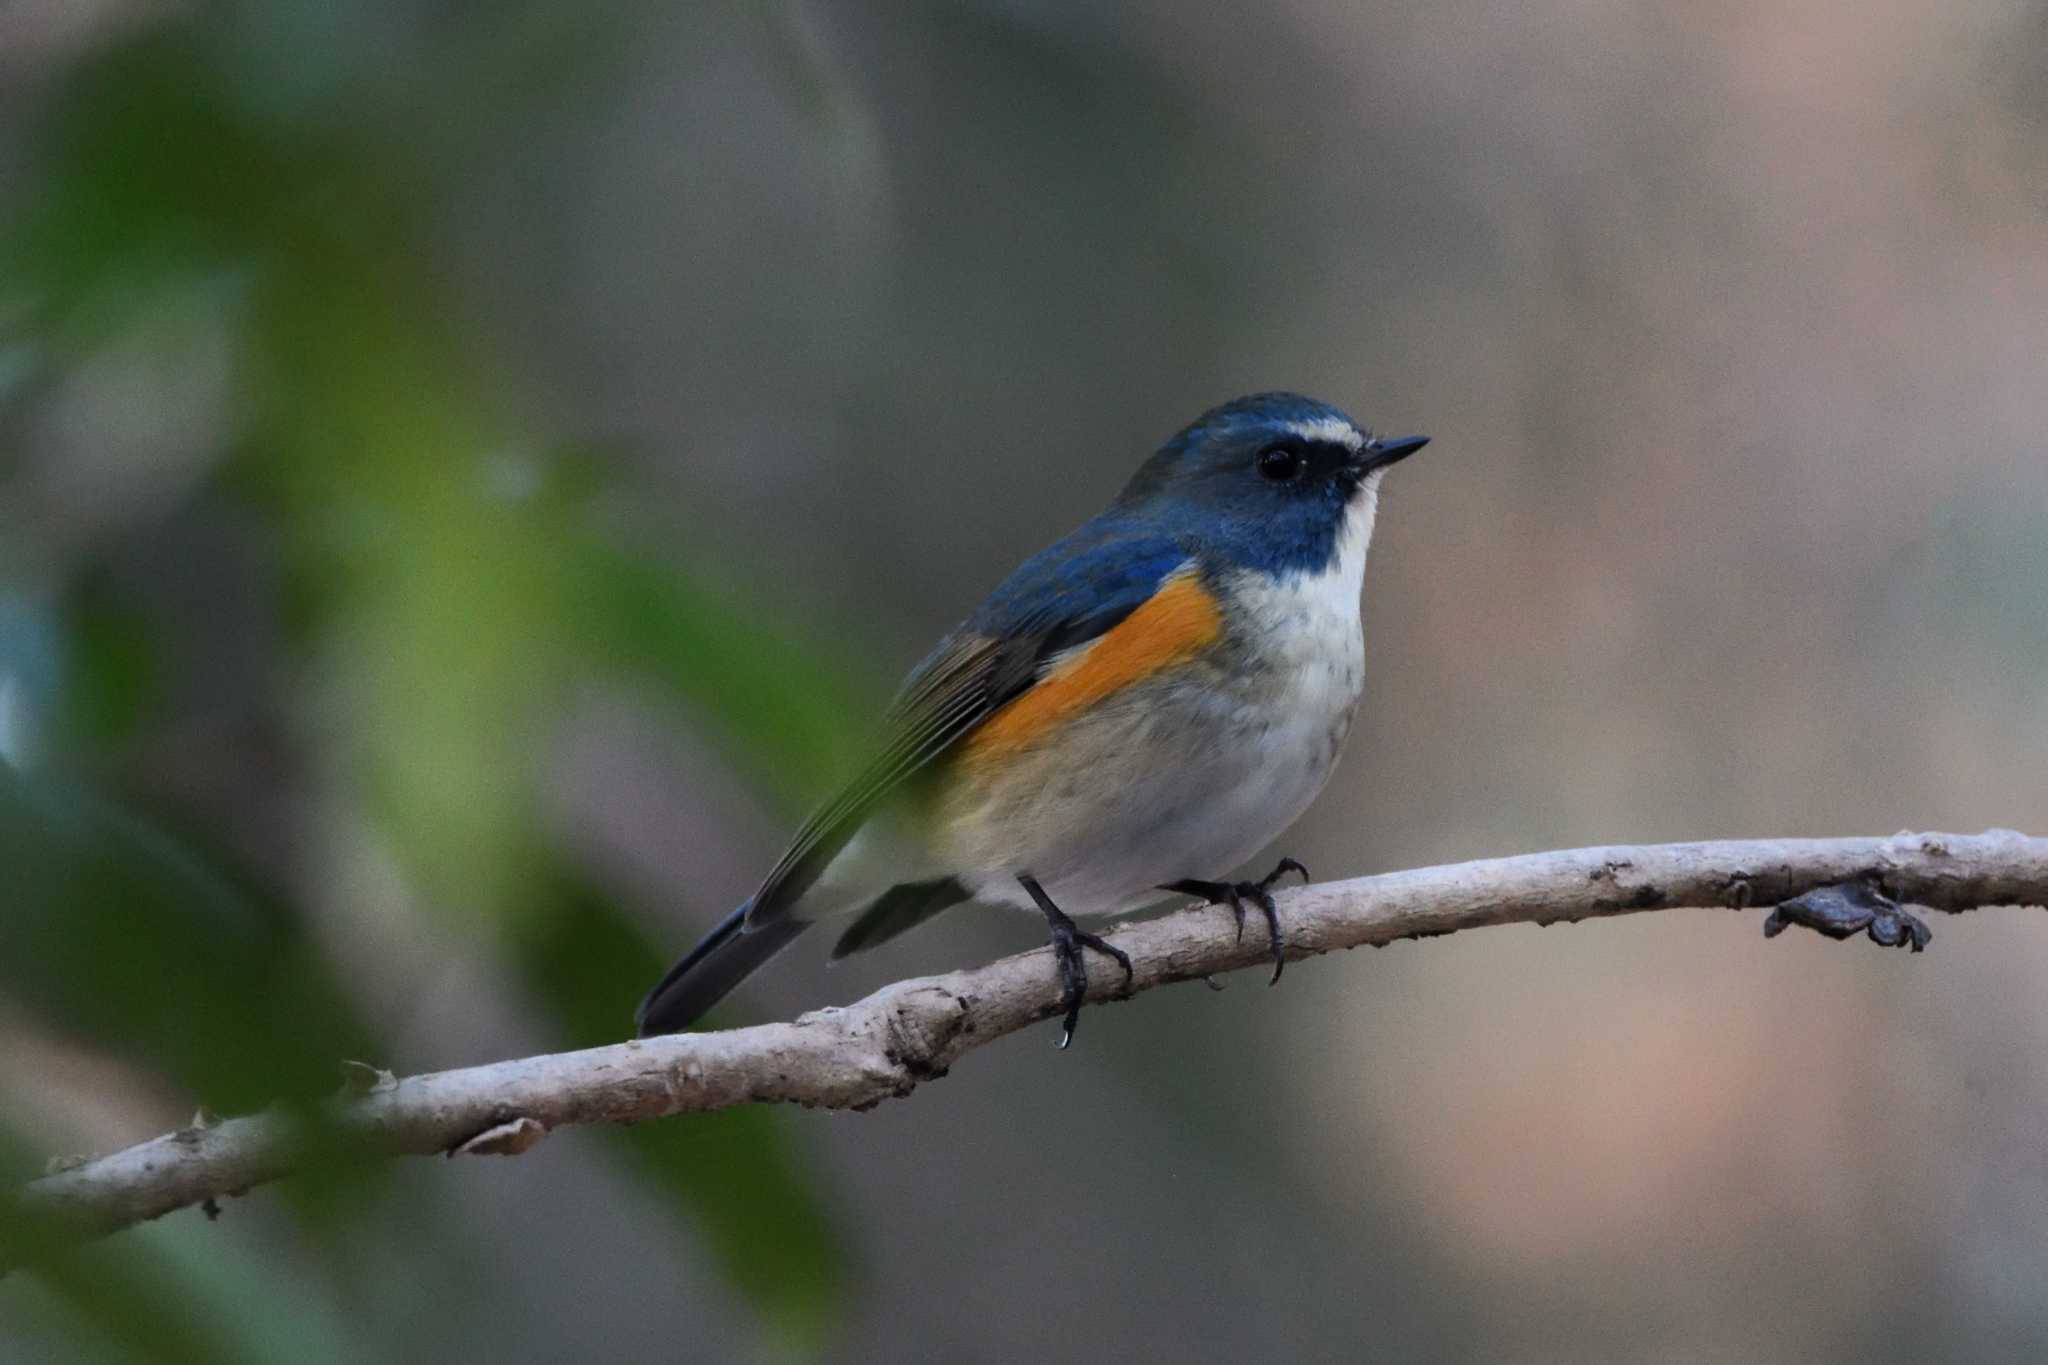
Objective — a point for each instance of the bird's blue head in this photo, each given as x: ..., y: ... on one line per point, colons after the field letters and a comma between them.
x: 1267, y: 482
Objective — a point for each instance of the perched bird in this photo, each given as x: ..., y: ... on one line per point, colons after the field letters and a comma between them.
x: 1132, y: 714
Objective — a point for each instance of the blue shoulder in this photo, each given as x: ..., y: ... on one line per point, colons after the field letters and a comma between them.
x: 1082, y: 585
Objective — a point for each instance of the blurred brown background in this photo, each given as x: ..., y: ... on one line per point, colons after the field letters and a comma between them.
x: 344, y: 351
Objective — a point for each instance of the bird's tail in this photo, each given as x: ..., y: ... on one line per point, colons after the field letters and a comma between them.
x: 727, y: 956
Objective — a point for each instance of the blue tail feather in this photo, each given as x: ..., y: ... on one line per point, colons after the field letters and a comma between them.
x: 726, y: 956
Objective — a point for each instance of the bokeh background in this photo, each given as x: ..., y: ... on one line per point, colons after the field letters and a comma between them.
x: 469, y: 474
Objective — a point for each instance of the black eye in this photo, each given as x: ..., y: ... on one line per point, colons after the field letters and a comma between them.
x: 1280, y: 464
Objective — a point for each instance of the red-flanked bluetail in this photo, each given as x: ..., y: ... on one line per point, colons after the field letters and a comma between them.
x: 1133, y: 713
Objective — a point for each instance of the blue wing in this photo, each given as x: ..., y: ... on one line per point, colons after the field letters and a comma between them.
x: 1079, y: 587
x: 1068, y: 594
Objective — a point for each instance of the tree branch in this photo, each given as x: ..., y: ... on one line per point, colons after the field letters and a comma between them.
x: 884, y: 1046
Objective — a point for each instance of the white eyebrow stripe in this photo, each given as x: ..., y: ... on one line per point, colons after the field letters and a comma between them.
x: 1329, y: 429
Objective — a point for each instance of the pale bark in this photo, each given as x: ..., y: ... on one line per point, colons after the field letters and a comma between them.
x: 884, y: 1046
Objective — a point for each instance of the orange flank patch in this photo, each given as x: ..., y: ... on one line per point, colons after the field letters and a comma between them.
x: 1178, y: 622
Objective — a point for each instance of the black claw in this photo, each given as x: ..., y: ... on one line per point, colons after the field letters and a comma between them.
x: 1215, y: 893
x: 1259, y: 896
x: 1286, y: 865
x: 1259, y: 893
x: 1073, y: 978
x: 1111, y: 951
x: 1067, y: 942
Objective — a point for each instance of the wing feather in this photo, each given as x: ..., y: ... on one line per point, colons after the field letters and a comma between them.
x: 1071, y: 594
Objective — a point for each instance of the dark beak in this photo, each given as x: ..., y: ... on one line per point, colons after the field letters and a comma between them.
x: 1380, y: 454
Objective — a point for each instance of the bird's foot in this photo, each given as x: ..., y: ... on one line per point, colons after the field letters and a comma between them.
x: 1852, y: 908
x: 1259, y: 893
x: 1068, y: 939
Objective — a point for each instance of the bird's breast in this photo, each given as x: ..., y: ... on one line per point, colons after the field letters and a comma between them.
x: 1184, y: 772
x: 1304, y: 651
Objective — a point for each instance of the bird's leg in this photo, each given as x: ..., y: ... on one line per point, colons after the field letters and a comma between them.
x: 1259, y: 893
x: 1068, y: 940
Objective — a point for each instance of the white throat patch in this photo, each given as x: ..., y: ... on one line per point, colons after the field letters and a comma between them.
x: 1355, y: 537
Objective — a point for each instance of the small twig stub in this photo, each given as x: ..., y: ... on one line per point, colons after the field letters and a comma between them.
x: 505, y: 1139
x: 1850, y: 908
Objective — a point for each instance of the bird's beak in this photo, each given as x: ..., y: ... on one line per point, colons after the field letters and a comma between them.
x: 1381, y: 453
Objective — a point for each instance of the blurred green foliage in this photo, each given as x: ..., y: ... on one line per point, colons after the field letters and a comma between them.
x: 735, y: 1170
x: 123, y: 936
x: 447, y: 581
x: 156, y: 1296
